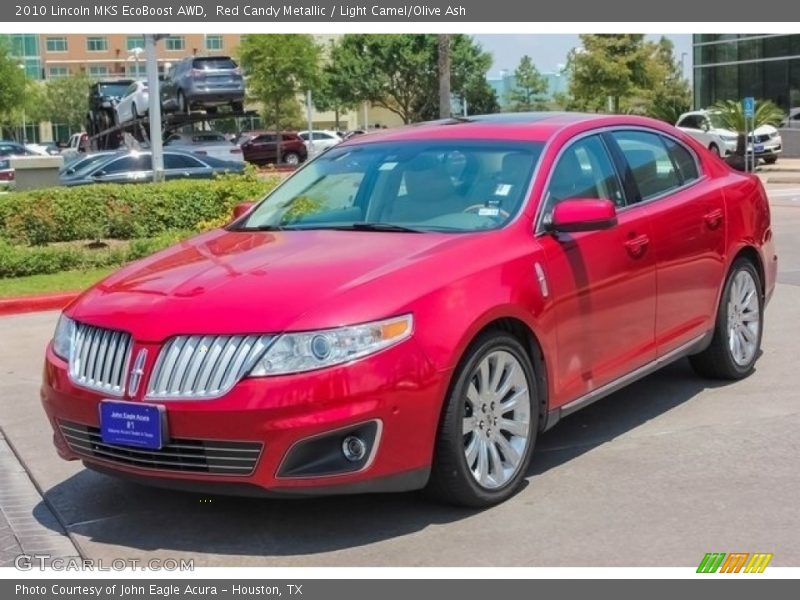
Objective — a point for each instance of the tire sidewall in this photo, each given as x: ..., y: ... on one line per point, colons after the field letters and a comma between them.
x: 476, y: 353
x: 722, y: 316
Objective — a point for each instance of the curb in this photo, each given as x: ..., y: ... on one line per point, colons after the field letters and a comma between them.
x: 25, y: 304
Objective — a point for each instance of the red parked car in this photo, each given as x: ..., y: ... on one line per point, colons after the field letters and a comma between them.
x: 261, y: 147
x: 413, y: 307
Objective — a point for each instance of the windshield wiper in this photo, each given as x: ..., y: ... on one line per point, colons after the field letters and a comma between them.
x: 261, y: 228
x: 362, y: 226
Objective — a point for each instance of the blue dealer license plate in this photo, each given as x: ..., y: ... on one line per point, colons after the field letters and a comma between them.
x: 133, y: 424
x: 759, y: 148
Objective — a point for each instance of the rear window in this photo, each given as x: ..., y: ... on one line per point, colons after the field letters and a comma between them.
x: 213, y: 63
x: 208, y: 137
x: 113, y: 89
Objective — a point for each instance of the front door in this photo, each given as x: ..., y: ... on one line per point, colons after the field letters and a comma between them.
x: 603, y: 282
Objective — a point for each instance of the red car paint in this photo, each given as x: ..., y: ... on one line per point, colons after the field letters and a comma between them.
x: 615, y: 300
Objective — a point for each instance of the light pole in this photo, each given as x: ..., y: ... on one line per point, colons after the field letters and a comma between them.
x: 683, y: 63
x: 24, y: 123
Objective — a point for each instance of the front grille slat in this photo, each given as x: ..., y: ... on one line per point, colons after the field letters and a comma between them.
x: 198, y: 367
x: 99, y: 359
x: 217, y: 457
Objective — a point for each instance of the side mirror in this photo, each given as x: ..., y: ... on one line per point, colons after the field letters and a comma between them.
x: 241, y: 209
x: 582, y: 214
x: 100, y: 173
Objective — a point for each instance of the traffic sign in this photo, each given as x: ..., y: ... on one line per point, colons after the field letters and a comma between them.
x: 749, y: 104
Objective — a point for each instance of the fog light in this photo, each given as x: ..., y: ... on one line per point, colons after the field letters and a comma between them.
x: 354, y: 448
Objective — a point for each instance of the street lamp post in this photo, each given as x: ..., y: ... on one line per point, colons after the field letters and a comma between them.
x: 24, y: 122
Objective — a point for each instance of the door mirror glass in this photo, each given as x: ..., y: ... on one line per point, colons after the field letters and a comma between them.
x: 582, y: 214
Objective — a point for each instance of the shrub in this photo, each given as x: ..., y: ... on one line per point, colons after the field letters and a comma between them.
x: 19, y: 261
x: 124, y: 211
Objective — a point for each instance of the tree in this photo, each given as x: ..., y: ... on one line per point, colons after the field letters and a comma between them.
x: 529, y: 87
x: 333, y: 91
x: 639, y: 76
x: 443, y: 56
x: 279, y: 68
x: 12, y: 85
x: 399, y: 72
x: 65, y: 101
x: 731, y: 116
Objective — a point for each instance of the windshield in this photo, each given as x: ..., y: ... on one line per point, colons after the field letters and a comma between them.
x: 113, y: 89
x: 716, y: 121
x: 422, y: 185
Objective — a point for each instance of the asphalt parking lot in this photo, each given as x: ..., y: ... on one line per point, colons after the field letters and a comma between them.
x: 655, y: 475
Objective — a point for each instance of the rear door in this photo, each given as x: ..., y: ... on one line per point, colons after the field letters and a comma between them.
x: 687, y: 212
x: 603, y: 282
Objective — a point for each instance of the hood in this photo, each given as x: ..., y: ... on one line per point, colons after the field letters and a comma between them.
x: 763, y: 130
x: 258, y: 282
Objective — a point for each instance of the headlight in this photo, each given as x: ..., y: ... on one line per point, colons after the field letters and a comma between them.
x: 774, y: 134
x: 729, y: 137
x: 299, y: 352
x: 62, y: 338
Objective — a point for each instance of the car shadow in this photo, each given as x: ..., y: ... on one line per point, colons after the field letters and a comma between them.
x: 119, y: 513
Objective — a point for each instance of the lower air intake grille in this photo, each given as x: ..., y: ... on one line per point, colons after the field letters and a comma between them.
x: 190, y: 456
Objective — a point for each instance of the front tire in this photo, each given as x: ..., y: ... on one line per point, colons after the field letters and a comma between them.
x: 714, y: 149
x: 770, y: 160
x: 740, y: 322
x: 488, y: 426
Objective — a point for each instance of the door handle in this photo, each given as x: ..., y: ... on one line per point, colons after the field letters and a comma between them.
x: 713, y: 218
x: 637, y: 245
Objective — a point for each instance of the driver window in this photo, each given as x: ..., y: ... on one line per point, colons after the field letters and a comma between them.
x: 584, y: 170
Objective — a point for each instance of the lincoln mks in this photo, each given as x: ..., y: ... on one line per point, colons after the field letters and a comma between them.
x: 413, y: 307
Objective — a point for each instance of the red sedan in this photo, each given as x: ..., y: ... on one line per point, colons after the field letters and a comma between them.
x: 413, y: 307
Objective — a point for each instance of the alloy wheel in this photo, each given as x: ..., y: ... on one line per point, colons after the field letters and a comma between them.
x: 744, y: 318
x: 497, y: 420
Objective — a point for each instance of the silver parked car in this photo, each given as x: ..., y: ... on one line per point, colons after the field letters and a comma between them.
x: 205, y: 143
x: 137, y: 167
x: 204, y: 82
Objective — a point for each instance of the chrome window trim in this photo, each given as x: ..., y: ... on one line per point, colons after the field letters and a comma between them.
x: 539, y: 229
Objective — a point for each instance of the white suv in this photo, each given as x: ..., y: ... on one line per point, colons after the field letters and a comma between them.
x: 705, y: 127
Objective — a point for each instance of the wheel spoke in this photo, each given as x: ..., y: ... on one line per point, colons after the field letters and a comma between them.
x: 512, y: 456
x: 517, y: 428
x: 495, y: 461
x: 483, y: 462
x: 483, y: 377
x: 512, y: 402
x: 468, y: 424
x: 748, y: 336
x: 472, y: 450
x: 473, y: 397
x: 508, y: 381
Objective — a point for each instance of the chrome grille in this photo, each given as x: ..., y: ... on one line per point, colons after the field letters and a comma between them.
x: 195, y: 456
x: 198, y: 366
x: 99, y: 358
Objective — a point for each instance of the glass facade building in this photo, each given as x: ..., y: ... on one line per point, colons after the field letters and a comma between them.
x: 732, y: 66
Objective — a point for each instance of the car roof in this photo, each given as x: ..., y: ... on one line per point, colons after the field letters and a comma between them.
x: 531, y: 126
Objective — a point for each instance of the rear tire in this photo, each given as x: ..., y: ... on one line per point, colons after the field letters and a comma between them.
x: 237, y: 107
x: 291, y: 158
x: 494, y: 395
x: 740, y: 323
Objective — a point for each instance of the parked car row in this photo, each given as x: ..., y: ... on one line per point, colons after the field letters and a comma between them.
x: 131, y: 166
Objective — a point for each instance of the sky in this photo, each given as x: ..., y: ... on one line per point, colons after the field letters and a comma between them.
x: 548, y: 51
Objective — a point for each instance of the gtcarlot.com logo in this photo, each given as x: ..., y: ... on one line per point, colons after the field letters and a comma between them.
x: 736, y: 562
x: 29, y: 562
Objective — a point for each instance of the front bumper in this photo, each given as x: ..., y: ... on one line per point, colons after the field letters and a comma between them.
x: 399, y: 388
